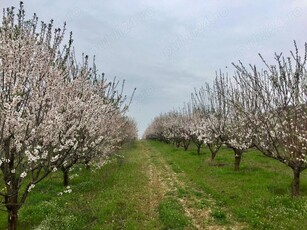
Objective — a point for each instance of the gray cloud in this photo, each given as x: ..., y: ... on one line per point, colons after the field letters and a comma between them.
x: 166, y: 48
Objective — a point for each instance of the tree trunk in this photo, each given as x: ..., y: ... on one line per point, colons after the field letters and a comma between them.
x: 213, y: 151
x: 296, y: 183
x: 12, y: 206
x: 12, y: 219
x: 213, y: 155
x: 87, y: 164
x: 198, y: 149
x: 186, y: 145
x: 238, y: 156
x: 65, y: 176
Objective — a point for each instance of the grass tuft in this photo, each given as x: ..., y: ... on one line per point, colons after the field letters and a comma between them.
x: 172, y: 215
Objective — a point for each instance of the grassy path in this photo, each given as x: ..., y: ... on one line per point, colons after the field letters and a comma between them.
x: 196, y: 206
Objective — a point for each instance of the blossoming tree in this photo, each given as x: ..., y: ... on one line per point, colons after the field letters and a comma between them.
x: 51, y: 110
x: 223, y: 124
x: 274, y: 103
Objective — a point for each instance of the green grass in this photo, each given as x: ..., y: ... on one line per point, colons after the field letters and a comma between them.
x: 258, y: 195
x: 172, y: 214
x: 219, y: 215
x: 121, y: 195
x: 113, y: 197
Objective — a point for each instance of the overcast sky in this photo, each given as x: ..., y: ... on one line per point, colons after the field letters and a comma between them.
x: 167, y: 48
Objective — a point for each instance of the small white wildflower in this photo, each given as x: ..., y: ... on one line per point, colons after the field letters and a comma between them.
x: 31, y: 187
x: 68, y: 191
x: 24, y: 174
x: 13, y: 171
x: 54, y: 169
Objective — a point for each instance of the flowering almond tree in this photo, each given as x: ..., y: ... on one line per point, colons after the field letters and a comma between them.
x: 52, y: 111
x: 157, y: 130
x: 171, y: 127
x: 92, y: 117
x: 223, y: 124
x: 32, y: 70
x: 204, y: 135
x: 183, y: 121
x: 130, y: 131
x: 196, y: 130
x: 211, y: 124
x: 274, y: 103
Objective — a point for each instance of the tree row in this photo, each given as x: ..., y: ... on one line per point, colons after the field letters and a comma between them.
x: 256, y: 108
x: 55, y: 112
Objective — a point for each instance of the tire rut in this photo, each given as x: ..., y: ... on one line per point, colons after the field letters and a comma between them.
x: 170, y: 183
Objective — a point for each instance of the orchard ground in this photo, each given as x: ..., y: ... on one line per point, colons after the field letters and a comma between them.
x: 157, y: 186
